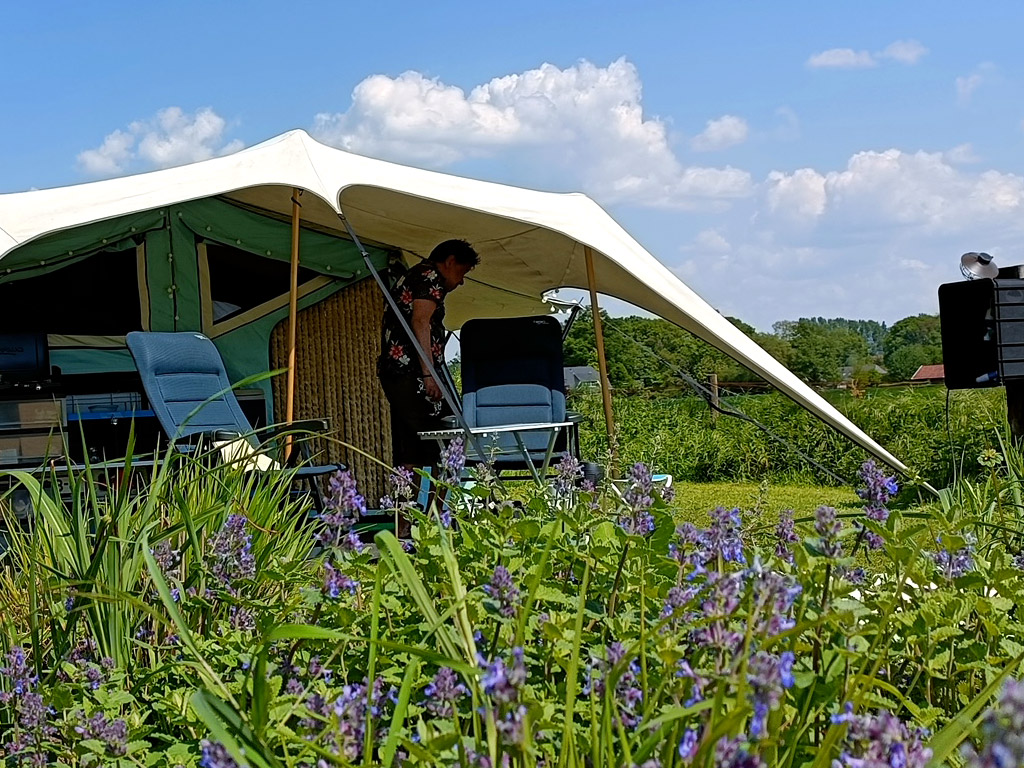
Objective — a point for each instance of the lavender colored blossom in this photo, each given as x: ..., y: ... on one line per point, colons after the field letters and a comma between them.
x: 445, y: 517
x: 216, y: 755
x: 343, y: 508
x: 501, y: 681
x: 336, y: 582
x: 677, y: 599
x: 113, y: 733
x: 828, y: 527
x: 637, y: 523
x: 774, y: 596
x: 349, y: 716
x: 639, y: 495
x: 691, y: 549
x: 881, y: 740
x: 453, y: 460
x: 503, y: 591
x: 512, y: 727
x: 627, y: 695
x: 785, y: 536
x: 19, y: 673
x: 166, y: 557
x: 953, y: 565
x: 698, y: 682
x: 568, y: 474
x: 1001, y: 740
x: 768, y: 676
x: 231, y: 559
x: 724, y: 535
x: 443, y: 693
x: 878, y: 489
x: 730, y: 753
x: 688, y: 745
x: 855, y: 576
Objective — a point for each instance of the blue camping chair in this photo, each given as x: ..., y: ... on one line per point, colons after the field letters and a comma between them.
x: 512, y: 373
x: 189, y: 392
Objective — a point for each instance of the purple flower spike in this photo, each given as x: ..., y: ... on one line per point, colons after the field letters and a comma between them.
x: 503, y: 682
x: 231, y: 557
x: 785, y: 536
x: 877, y: 490
x: 880, y: 740
x: 828, y: 527
x: 568, y: 474
x: 1002, y: 737
x: 216, y: 755
x: 453, y: 460
x: 503, y: 591
x: 336, y: 582
x: 443, y: 693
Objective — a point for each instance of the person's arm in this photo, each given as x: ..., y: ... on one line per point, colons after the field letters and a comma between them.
x: 422, y: 312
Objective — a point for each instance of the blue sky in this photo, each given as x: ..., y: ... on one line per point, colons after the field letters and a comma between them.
x: 784, y: 159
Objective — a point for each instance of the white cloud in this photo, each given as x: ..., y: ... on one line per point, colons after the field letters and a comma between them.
x: 899, y: 51
x: 919, y: 189
x: 904, y: 51
x: 961, y: 154
x: 787, y: 124
x: 110, y: 157
x: 172, y: 137
x: 873, y: 239
x: 800, y: 194
x: 841, y: 58
x: 726, y: 131
x: 585, y: 121
x: 966, y: 86
x: 710, y: 240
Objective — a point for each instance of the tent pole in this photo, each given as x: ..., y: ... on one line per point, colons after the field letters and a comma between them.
x: 602, y: 360
x: 293, y: 301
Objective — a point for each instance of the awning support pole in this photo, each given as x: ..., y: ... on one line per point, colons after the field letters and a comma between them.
x: 449, y: 397
x: 602, y: 361
x: 293, y: 305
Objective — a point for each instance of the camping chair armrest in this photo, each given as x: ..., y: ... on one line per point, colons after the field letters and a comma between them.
x: 317, y: 426
x: 574, y: 417
x: 189, y: 443
x: 450, y: 422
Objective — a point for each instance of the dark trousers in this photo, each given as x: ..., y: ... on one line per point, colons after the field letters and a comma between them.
x: 412, y: 412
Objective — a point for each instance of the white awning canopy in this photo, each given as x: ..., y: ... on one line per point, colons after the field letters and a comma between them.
x: 530, y: 242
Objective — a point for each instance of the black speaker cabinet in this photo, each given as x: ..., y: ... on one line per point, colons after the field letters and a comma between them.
x: 982, y: 332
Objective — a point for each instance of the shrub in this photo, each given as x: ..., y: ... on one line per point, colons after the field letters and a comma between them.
x: 201, y: 622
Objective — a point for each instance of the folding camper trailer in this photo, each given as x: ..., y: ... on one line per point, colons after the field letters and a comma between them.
x: 206, y: 247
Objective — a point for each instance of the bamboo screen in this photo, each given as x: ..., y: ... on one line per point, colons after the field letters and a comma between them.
x: 337, y: 344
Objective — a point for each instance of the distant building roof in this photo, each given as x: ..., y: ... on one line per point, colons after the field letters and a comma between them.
x: 580, y: 374
x: 929, y: 373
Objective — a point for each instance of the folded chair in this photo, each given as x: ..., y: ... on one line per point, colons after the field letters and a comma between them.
x: 512, y: 374
x: 189, y: 392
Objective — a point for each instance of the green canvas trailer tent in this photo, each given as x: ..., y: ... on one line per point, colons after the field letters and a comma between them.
x: 206, y: 247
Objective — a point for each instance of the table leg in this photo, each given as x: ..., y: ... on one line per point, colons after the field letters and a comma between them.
x: 551, y: 449
x: 526, y: 457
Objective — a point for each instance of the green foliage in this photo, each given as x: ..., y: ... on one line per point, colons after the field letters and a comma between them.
x: 820, y: 352
x: 678, y: 435
x: 911, y: 343
x: 148, y: 631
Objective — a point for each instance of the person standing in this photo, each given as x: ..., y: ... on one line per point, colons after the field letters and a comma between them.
x: 413, y: 395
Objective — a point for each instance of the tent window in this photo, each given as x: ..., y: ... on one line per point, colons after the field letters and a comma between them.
x: 240, y: 281
x: 97, y: 296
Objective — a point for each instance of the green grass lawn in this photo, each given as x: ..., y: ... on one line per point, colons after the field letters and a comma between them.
x: 694, y: 500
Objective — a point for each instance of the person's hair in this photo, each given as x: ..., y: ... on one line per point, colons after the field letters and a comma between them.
x: 460, y: 249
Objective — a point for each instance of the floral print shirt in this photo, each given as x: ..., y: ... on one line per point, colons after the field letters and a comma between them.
x: 397, y: 355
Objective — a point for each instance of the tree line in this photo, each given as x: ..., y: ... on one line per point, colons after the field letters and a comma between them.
x: 651, y: 352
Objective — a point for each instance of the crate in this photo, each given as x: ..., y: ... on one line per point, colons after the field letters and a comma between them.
x: 32, y: 414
